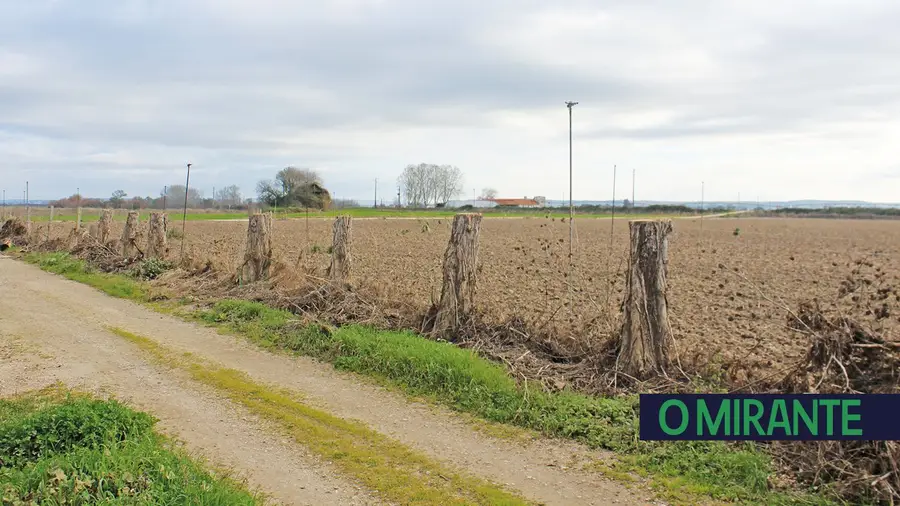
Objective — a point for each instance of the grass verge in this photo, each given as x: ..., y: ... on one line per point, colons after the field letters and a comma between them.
x: 62, y: 448
x: 461, y: 379
x: 441, y: 372
x: 396, y: 472
x: 72, y: 268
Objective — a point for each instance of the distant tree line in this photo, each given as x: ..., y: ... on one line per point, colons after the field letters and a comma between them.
x: 171, y: 197
x: 835, y: 212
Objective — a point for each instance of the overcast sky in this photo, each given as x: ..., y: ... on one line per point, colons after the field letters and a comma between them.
x: 781, y: 100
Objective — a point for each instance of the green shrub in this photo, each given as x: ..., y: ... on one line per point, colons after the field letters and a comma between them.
x: 151, y: 268
x: 80, y: 423
x: 82, y: 451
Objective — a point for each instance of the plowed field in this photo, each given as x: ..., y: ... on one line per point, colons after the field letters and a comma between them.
x: 728, y: 292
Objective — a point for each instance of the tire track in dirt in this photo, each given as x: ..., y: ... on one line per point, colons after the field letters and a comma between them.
x: 543, y: 470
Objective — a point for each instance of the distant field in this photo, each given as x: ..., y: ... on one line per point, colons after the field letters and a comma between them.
x: 43, y: 214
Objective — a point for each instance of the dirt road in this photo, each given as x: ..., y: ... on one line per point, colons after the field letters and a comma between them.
x: 52, y: 329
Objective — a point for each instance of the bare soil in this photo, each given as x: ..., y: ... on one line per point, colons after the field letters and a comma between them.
x: 728, y: 293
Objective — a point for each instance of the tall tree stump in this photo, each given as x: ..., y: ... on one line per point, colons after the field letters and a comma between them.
x: 156, y: 236
x: 130, y: 234
x: 339, y: 270
x: 646, y: 336
x: 460, y: 273
x: 258, y: 255
x: 104, y: 227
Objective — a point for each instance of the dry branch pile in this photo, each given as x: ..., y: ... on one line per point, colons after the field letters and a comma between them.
x: 13, y: 233
x: 846, y: 355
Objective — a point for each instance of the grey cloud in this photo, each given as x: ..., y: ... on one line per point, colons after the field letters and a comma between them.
x: 170, y: 77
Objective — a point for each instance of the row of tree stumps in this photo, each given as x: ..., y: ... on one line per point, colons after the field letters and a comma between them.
x: 128, y: 244
x: 645, y: 336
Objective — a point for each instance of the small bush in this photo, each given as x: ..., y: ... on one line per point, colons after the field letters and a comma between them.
x: 80, y: 423
x: 173, y: 233
x: 81, y: 451
x: 151, y: 268
x: 737, y: 232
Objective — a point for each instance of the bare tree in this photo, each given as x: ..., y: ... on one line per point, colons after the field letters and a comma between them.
x: 426, y: 184
x: 229, y: 196
x: 449, y: 184
x: 175, y: 196
x: 488, y: 193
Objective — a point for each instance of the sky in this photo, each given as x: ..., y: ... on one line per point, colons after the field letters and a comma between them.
x: 795, y: 99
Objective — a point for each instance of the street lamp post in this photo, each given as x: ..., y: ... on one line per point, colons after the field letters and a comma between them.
x: 570, y: 105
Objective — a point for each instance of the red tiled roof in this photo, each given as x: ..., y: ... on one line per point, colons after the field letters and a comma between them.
x: 516, y: 202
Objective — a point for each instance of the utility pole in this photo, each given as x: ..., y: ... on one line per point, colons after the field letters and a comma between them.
x: 165, y: 194
x: 633, y: 174
x: 570, y: 105
x: 187, y: 184
x: 376, y: 193
x: 27, y: 205
x: 399, y: 204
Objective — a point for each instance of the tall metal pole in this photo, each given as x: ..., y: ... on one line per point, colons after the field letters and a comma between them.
x: 633, y: 173
x: 27, y: 205
x: 570, y: 105
x: 376, y: 192
x: 165, y: 194
x: 187, y: 184
x: 613, y: 202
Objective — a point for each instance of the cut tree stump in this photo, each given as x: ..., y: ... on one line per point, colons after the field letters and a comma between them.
x: 130, y: 236
x: 646, y: 336
x: 258, y: 255
x: 104, y: 226
x: 460, y: 274
x: 339, y: 270
x: 156, y: 237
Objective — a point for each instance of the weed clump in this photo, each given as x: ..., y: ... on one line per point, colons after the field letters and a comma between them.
x: 63, y: 449
x: 151, y: 268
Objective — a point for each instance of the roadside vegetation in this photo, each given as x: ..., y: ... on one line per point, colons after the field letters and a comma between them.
x: 394, y: 471
x: 681, y: 472
x: 57, y: 447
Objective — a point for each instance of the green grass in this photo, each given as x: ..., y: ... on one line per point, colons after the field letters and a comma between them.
x: 77, y: 270
x: 462, y: 380
x: 60, y: 448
